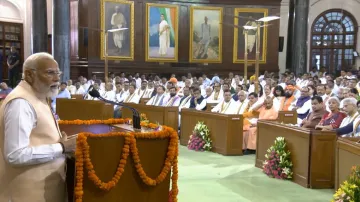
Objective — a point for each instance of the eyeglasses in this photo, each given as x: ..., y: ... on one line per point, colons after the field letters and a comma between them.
x: 51, y: 73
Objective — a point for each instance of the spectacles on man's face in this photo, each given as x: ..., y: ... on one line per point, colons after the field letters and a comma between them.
x: 51, y: 73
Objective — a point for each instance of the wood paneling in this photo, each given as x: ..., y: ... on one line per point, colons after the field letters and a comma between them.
x: 89, y: 54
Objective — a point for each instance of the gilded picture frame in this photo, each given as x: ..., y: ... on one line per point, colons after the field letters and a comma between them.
x: 239, y: 37
x: 205, y: 34
x: 161, y: 32
x: 117, y: 14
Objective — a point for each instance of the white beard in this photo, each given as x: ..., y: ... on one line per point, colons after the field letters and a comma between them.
x: 53, y: 93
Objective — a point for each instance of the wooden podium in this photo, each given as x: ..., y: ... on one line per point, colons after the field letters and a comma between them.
x: 347, y: 155
x: 312, y: 152
x: 168, y: 116
x: 226, y: 131
x: 72, y: 109
x: 105, y: 155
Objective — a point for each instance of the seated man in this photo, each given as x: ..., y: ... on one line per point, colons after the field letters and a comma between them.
x: 289, y: 98
x: 350, y: 108
x: 4, y: 89
x: 302, y: 105
x: 197, y: 102
x: 217, y: 94
x: 227, y: 106
x: 63, y: 93
x: 109, y: 93
x: 132, y: 97
x: 242, y: 102
x: 314, y: 117
x: 186, y: 97
x: 172, y: 100
x: 158, y: 99
x: 266, y: 111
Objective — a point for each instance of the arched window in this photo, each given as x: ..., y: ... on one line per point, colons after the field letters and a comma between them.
x: 333, y: 41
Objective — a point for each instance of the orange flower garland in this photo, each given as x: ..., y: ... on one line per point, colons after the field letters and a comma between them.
x: 92, y: 122
x: 83, y: 157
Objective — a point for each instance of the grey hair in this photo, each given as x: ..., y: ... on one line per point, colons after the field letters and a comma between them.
x: 32, y: 61
x: 350, y: 100
x: 334, y: 98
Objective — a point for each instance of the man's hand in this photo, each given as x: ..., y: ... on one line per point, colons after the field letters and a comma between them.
x: 69, y: 142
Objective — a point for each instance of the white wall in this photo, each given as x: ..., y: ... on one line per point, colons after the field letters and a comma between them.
x: 316, y: 8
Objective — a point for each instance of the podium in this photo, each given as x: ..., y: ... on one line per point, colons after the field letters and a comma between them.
x: 347, y: 155
x: 153, y: 150
x: 72, y: 109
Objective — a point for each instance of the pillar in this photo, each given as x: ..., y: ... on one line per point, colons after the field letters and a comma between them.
x: 290, y: 36
x: 61, y: 36
x: 299, y: 58
x: 39, y: 26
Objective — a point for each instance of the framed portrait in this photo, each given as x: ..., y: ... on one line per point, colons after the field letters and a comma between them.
x: 117, y: 14
x: 161, y: 33
x: 248, y: 17
x: 206, y: 34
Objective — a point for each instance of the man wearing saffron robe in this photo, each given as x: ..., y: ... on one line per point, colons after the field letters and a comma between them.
x: 266, y: 111
x: 314, y: 117
x: 289, y: 98
x: 227, y: 106
x: 303, y: 104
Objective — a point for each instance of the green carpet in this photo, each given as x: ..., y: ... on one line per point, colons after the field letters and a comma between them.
x: 211, y: 177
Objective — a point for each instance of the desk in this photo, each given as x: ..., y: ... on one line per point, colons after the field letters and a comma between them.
x: 72, y: 109
x: 210, y: 106
x: 312, y: 152
x: 77, y: 96
x: 226, y: 131
x: 144, y: 100
x: 168, y: 116
x: 287, y: 117
x: 347, y: 155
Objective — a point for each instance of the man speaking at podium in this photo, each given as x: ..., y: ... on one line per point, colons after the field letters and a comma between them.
x: 32, y: 161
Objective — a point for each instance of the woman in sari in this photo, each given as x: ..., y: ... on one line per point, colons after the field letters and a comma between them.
x: 332, y: 120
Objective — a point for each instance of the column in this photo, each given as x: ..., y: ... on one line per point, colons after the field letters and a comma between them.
x: 300, y: 36
x: 61, y: 36
x: 290, y: 36
x: 39, y: 26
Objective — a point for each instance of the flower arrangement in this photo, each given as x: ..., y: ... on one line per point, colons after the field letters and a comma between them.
x: 349, y: 191
x: 200, y: 138
x: 83, y: 159
x: 278, y: 163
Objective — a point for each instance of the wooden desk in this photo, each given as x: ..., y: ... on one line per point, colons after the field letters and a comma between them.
x: 72, y: 109
x: 130, y: 186
x: 144, y: 100
x: 168, y: 116
x: 226, y: 131
x: 312, y: 152
x: 210, y: 106
x: 347, y: 155
x: 287, y: 117
x: 77, y: 96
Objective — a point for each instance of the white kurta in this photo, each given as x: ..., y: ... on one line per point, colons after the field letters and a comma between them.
x: 134, y: 98
x: 347, y: 120
x: 241, y: 106
x: 215, y: 98
x: 226, y: 107
x: 164, y: 37
x: 157, y: 100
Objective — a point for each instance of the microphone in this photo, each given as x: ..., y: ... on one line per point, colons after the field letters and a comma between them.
x: 136, y: 117
x: 87, y: 92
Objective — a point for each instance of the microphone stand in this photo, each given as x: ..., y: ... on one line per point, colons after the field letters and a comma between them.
x: 136, y: 116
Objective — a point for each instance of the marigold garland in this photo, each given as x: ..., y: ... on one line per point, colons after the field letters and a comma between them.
x: 83, y: 156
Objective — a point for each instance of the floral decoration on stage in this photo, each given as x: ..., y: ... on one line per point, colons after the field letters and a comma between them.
x: 200, y: 138
x: 85, y: 167
x: 278, y: 163
x: 349, y: 190
x: 144, y: 122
